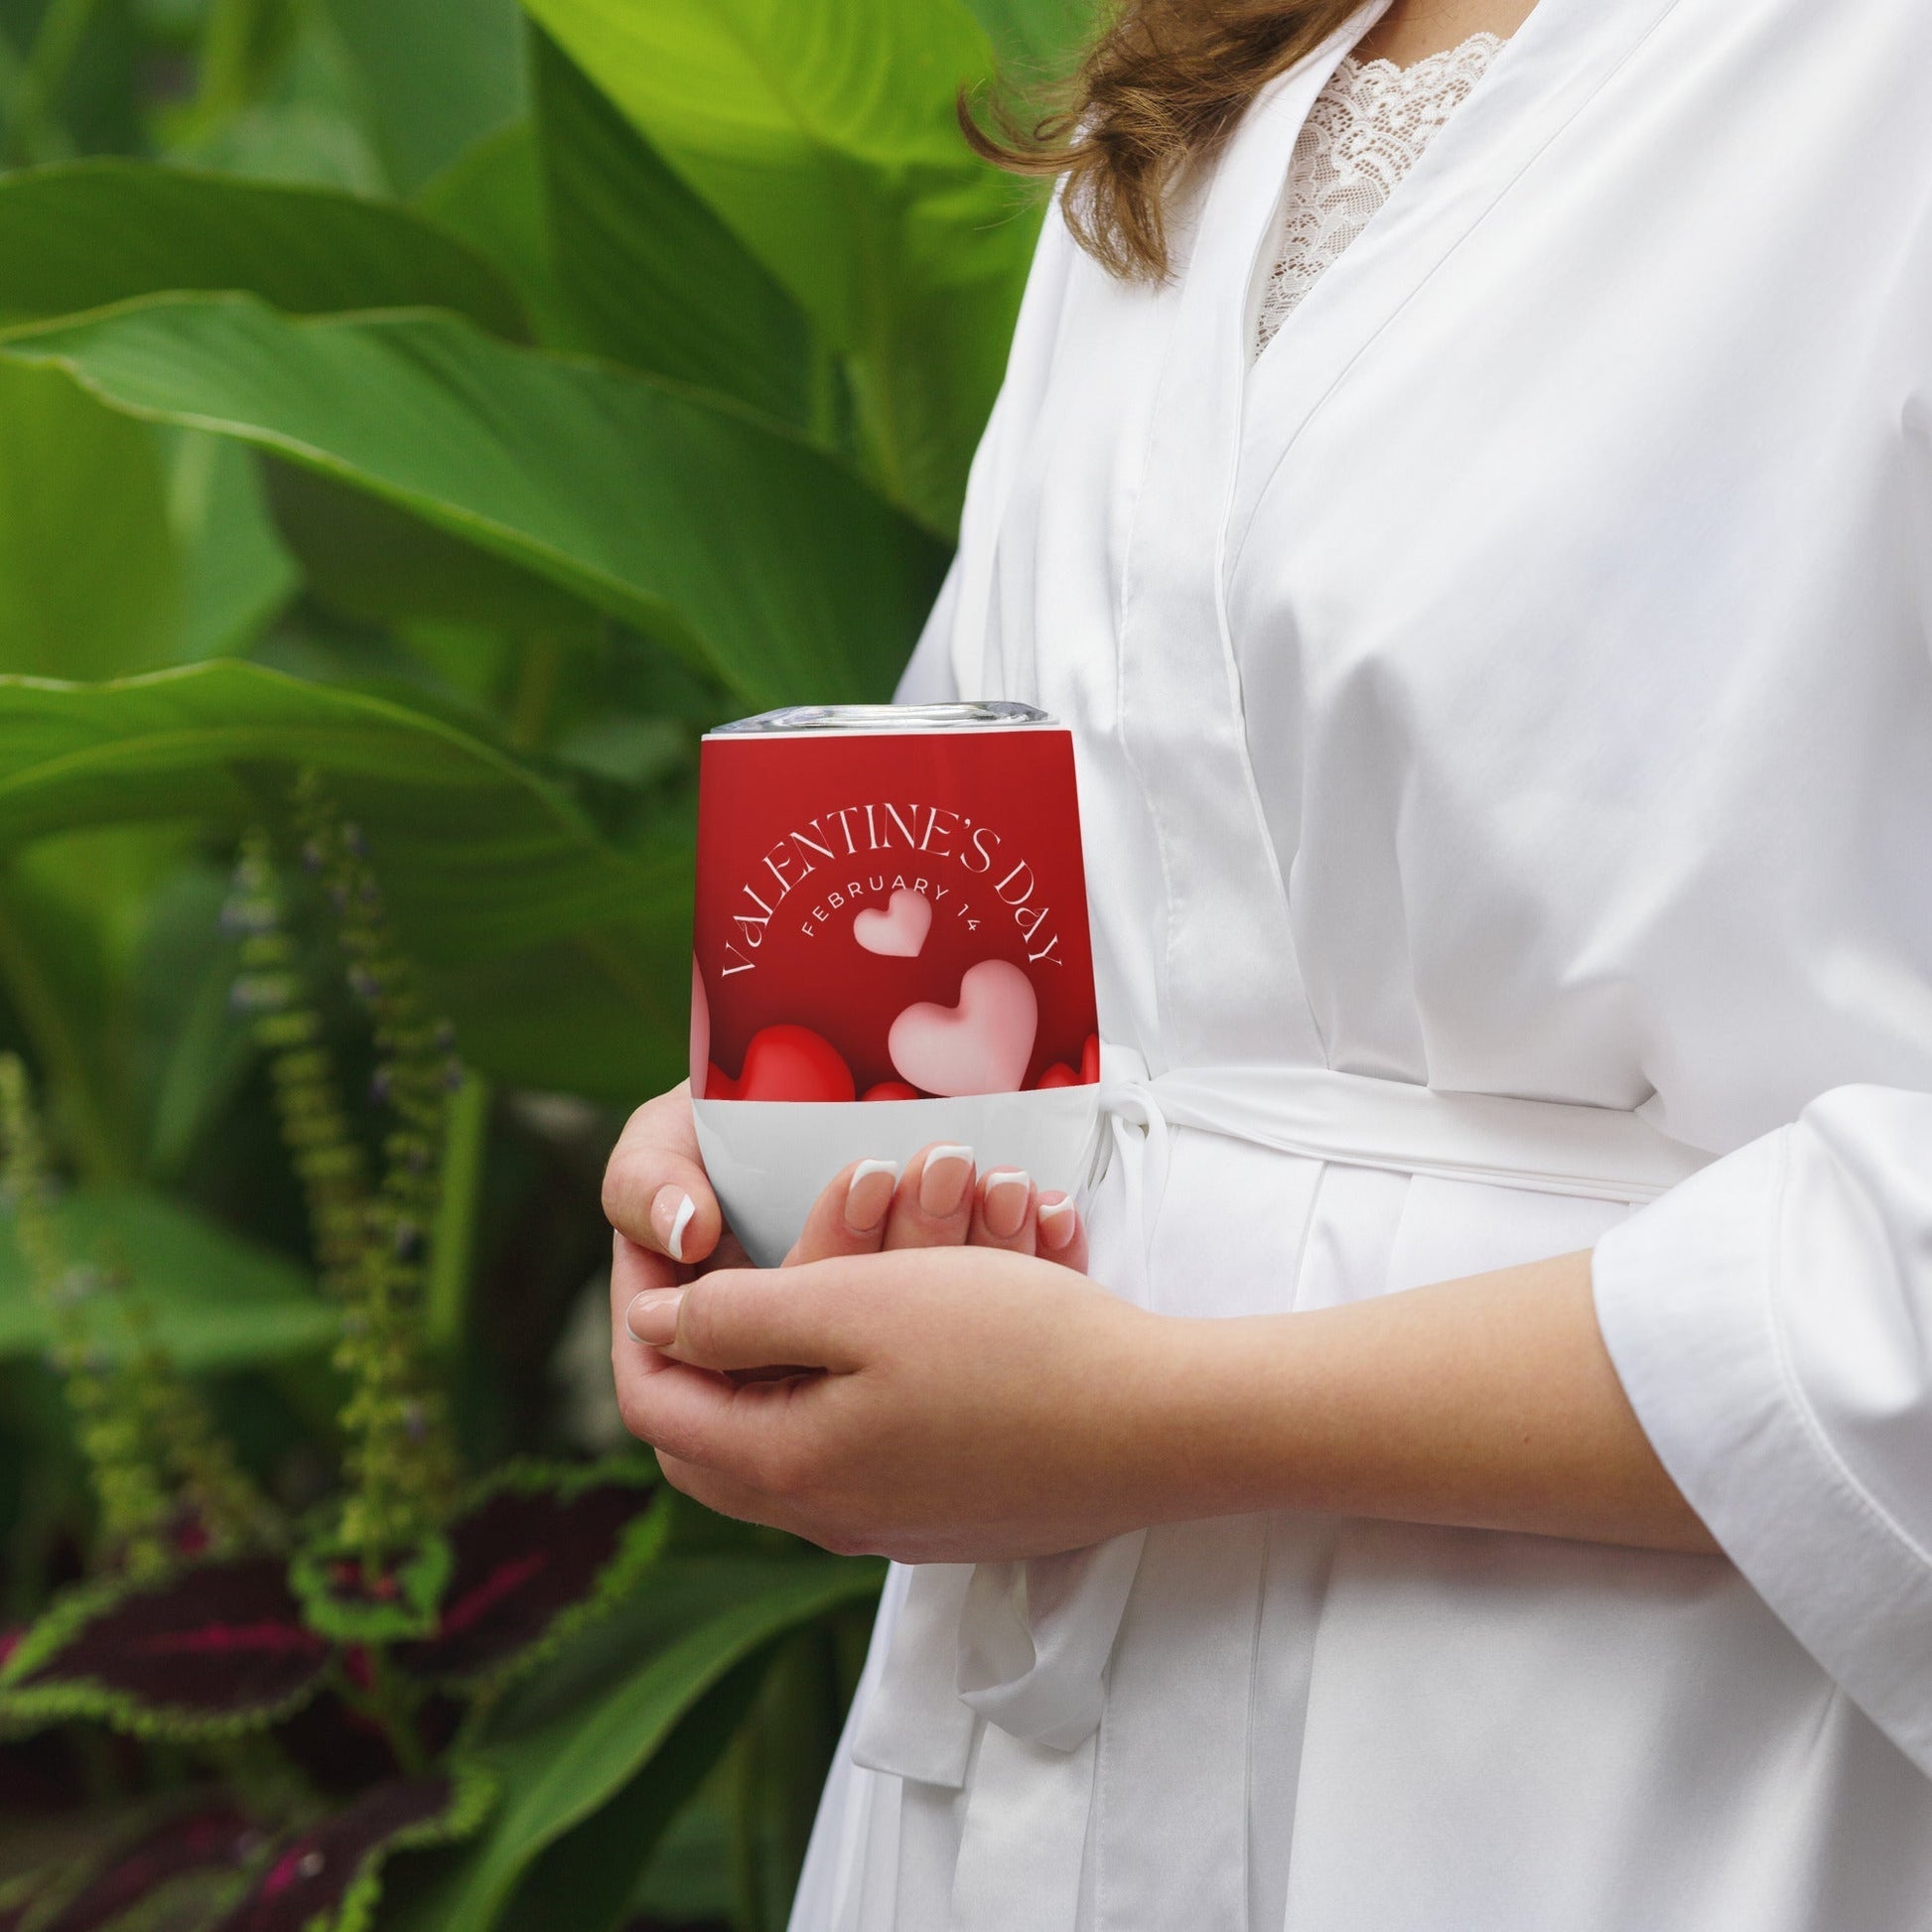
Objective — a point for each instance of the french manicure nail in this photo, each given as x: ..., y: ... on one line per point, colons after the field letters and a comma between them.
x: 943, y: 1181
x: 1005, y: 1207
x: 1057, y: 1220
x: 651, y: 1316
x: 869, y: 1193
x: 670, y: 1215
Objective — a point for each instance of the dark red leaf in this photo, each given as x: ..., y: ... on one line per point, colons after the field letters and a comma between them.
x: 211, y: 1648
x: 311, y: 1875
x: 217, y: 1838
x: 528, y: 1556
x: 17, y: 1904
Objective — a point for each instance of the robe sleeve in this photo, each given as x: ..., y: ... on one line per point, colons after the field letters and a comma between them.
x: 1771, y: 1322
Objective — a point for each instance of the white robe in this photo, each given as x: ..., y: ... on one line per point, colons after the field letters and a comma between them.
x: 1518, y: 682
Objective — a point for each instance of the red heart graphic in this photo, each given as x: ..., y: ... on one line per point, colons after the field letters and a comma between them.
x: 897, y: 930
x: 981, y: 1046
x: 891, y: 1090
x: 1060, y: 1075
x: 784, y: 1063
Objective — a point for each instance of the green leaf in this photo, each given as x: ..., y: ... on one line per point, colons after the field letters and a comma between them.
x: 562, y: 961
x: 88, y: 581
x: 71, y: 913
x: 587, y: 1881
x: 567, y: 1743
x: 437, y: 74
x: 1036, y: 39
x: 96, y: 232
x: 492, y: 196
x: 733, y: 542
x: 659, y: 281
x: 368, y: 559
x: 823, y: 133
x: 237, y: 573
x: 280, y: 100
x: 218, y: 1301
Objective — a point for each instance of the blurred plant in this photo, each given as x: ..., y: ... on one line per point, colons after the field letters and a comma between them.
x: 402, y: 1614
x: 419, y: 420
x: 167, y: 1483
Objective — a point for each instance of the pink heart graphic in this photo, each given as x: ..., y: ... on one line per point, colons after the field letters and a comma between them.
x: 981, y: 1046
x: 898, y: 929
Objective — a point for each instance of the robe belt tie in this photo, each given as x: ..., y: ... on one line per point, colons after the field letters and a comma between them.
x: 1026, y: 1645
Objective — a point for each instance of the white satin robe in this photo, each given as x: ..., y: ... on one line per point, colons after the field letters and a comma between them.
x: 1517, y: 682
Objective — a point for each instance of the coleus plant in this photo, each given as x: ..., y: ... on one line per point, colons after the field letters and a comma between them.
x: 321, y: 1679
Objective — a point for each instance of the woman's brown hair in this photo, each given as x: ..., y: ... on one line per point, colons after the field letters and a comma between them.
x: 1158, y: 91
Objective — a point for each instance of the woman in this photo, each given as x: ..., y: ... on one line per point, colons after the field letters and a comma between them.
x: 1504, y: 712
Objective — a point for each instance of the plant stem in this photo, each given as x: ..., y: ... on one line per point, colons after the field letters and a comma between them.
x: 381, y: 1704
x: 539, y: 671
x: 453, y: 1241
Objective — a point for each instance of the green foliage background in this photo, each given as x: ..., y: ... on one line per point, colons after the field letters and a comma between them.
x: 471, y: 405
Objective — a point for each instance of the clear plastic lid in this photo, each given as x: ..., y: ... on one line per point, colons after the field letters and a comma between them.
x: 795, y: 720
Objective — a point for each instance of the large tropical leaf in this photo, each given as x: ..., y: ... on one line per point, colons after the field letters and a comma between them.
x: 88, y: 579
x: 95, y: 232
x: 102, y: 1016
x: 823, y: 132
x: 492, y: 196
x: 657, y: 277
x: 369, y: 560
x: 733, y: 542
x: 534, y: 932
x: 437, y: 74
x: 566, y: 1746
x: 236, y: 574
x: 216, y: 1300
x: 588, y: 1879
x: 279, y: 100
x: 1036, y: 40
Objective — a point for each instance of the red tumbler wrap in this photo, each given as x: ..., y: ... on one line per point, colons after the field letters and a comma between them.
x: 890, y: 915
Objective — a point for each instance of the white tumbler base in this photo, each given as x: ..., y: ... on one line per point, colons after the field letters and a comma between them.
x: 769, y: 1160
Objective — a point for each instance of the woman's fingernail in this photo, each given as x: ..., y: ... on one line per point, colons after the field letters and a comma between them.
x: 670, y: 1215
x: 1057, y: 1220
x: 943, y: 1181
x: 869, y: 1193
x: 1007, y: 1193
x: 651, y: 1316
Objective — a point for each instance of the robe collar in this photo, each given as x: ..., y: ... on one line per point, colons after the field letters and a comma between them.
x: 1228, y: 984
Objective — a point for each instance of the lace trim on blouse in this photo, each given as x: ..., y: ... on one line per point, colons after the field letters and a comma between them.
x: 1367, y: 128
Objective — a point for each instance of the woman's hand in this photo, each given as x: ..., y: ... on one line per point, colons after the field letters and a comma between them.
x: 947, y: 1404
x: 938, y: 1203
x: 903, y: 1390
x: 659, y: 1200
x: 668, y: 1228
